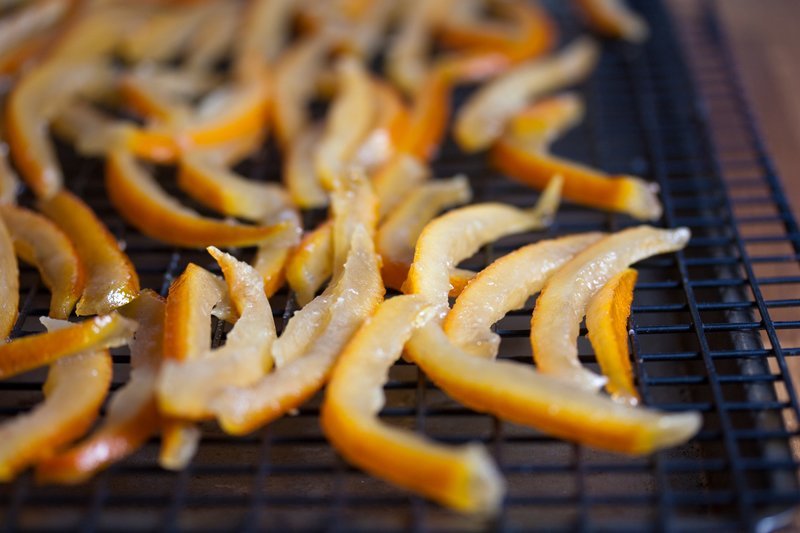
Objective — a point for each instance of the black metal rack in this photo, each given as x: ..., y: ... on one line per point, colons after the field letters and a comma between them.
x: 713, y: 329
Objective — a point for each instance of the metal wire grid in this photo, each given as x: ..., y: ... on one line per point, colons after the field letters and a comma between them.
x: 706, y: 335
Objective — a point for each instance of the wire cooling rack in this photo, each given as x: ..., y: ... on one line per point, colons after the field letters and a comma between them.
x: 713, y: 329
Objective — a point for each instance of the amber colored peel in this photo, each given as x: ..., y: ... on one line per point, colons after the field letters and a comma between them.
x: 563, y: 301
x: 388, y: 129
x: 299, y: 173
x: 543, y: 121
x: 517, y: 393
x: 74, y: 391
x: 213, y: 184
x: 505, y: 285
x: 607, y: 321
x: 272, y: 257
x: 457, y: 235
x: 145, y: 205
x: 132, y: 416
x: 345, y: 304
x: 311, y: 264
x: 39, y: 242
x: 427, y: 120
x: 463, y: 478
x: 582, y: 185
x: 396, y: 179
x: 9, y: 283
x: 613, y: 18
x: 111, y: 280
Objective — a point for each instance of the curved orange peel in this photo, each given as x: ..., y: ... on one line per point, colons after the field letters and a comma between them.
x: 299, y: 172
x: 506, y: 285
x: 74, y: 391
x: 517, y: 393
x: 39, y: 242
x: 542, y: 122
x: 9, y: 283
x: 349, y: 300
x: 214, y: 185
x: 457, y: 235
x: 464, y: 478
x: 311, y: 264
x: 563, y: 301
x: 582, y: 185
x: 349, y: 120
x: 186, y: 388
x: 264, y: 30
x: 9, y: 182
x: 388, y: 129
x: 111, y: 280
x: 398, y: 233
x: 132, y: 416
x: 484, y: 116
x: 40, y: 349
x: 607, y: 322
x: 396, y: 179
x: 613, y: 18
x: 146, y: 206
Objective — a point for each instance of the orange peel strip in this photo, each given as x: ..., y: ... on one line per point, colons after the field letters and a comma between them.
x: 387, y: 131
x: 9, y: 182
x: 505, y: 285
x: 517, y: 393
x: 40, y: 349
x: 402, y: 174
x: 187, y: 323
x: 294, y: 87
x: 542, y: 122
x: 27, y: 32
x: 428, y: 116
x: 9, y: 283
x: 563, y: 301
x: 353, y: 205
x: 214, y: 185
x: 92, y: 132
x: 613, y: 18
x: 607, y: 321
x: 272, y: 257
x: 35, y: 100
x: 145, y: 205
x: 532, y: 32
x: 111, y: 280
x: 457, y: 235
x: 186, y: 388
x: 214, y: 36
x: 484, y: 116
x: 165, y: 33
x: 149, y: 101
x: 366, y: 35
x: 264, y: 31
x: 351, y: 298
x: 582, y: 185
x: 132, y: 416
x: 39, y: 242
x: 349, y: 121
x: 74, y: 391
x: 464, y: 478
x: 397, y: 235
x: 299, y: 173
x: 311, y: 263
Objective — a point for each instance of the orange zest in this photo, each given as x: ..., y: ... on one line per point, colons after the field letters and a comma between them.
x: 517, y: 393
x: 607, y: 321
x: 132, y: 416
x: 146, y: 206
x: 348, y: 301
x: 563, y: 302
x: 214, y: 185
x: 74, y: 391
x: 111, y: 280
x: 185, y: 388
x: 613, y: 18
x: 484, y: 116
x: 398, y: 233
x: 9, y: 283
x: 457, y: 235
x: 504, y: 286
x: 39, y: 242
x: 464, y: 478
x: 40, y: 349
x: 582, y: 185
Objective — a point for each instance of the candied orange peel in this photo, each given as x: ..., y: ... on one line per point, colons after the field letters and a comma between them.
x: 563, y: 301
x: 9, y: 282
x: 613, y: 18
x: 464, y: 478
x: 39, y: 242
x: 607, y: 322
